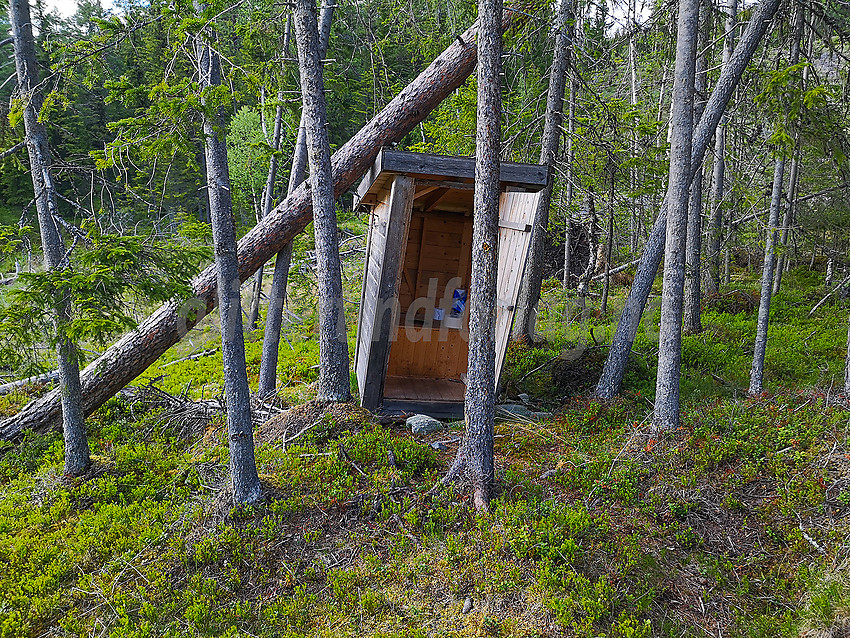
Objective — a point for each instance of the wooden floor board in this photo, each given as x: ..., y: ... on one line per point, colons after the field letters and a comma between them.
x: 424, y: 389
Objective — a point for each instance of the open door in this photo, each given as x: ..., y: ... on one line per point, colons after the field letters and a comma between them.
x: 378, y: 319
x: 516, y: 216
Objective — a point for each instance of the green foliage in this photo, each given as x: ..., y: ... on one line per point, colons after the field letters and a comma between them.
x: 103, y: 281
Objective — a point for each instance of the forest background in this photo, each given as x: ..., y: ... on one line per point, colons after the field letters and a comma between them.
x: 124, y: 118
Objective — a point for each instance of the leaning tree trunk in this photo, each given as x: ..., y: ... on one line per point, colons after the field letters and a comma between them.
x: 757, y: 372
x: 133, y: 353
x: 618, y: 353
x: 692, y: 322
x: 666, y: 416
x: 529, y: 293
x: 718, y: 185
x: 475, y: 457
x: 243, y: 468
x: 77, y: 456
x: 277, y: 296
x: 333, y: 344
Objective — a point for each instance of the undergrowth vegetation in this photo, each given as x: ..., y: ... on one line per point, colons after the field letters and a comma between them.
x: 735, y: 525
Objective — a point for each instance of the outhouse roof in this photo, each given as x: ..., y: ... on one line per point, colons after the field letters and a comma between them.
x: 456, y: 172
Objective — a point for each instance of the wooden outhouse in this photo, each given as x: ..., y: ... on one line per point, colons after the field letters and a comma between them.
x: 412, y: 330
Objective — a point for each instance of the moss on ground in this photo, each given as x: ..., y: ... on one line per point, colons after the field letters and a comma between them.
x: 735, y: 525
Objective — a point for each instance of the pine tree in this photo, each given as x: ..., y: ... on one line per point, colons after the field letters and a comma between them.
x: 474, y: 459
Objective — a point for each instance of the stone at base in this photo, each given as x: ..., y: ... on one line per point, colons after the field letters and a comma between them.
x: 423, y: 424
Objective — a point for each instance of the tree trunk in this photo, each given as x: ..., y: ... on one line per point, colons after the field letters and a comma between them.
x: 847, y: 365
x: 570, y: 153
x: 634, y: 215
x: 133, y: 353
x: 757, y: 372
x: 719, y: 173
x: 243, y: 468
x: 794, y: 173
x: 334, y: 383
x: 666, y: 416
x: 615, y: 365
x: 267, y: 203
x: 593, y: 243
x: 609, y: 246
x: 77, y: 456
x: 475, y: 456
x: 274, y: 312
x: 693, y: 249
x: 529, y: 293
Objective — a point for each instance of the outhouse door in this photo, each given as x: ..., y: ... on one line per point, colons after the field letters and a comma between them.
x: 516, y: 216
x: 379, y: 309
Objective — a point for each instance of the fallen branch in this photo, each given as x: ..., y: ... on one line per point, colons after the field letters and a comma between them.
x: 614, y: 271
x: 828, y: 295
x: 191, y: 357
x: 6, y: 388
x: 348, y: 458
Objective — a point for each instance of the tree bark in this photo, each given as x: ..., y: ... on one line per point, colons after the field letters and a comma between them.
x: 77, y: 455
x: 634, y: 216
x: 570, y: 160
x: 593, y: 244
x: 475, y: 456
x: 794, y: 172
x: 757, y: 371
x: 693, y: 249
x: 333, y: 383
x: 243, y: 469
x: 529, y: 293
x: 615, y: 365
x: 266, y: 206
x: 719, y: 172
x: 133, y: 353
x: 609, y: 245
x: 280, y: 278
x: 666, y: 415
x: 847, y: 365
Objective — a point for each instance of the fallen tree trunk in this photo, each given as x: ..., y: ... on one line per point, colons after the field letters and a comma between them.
x: 133, y: 353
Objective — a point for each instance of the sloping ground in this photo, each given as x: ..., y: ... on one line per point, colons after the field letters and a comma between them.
x: 735, y: 525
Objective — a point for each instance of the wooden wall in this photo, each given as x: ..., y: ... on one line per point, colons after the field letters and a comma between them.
x: 439, y: 249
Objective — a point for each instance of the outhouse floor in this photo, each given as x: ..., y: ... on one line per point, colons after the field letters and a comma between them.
x: 419, y: 389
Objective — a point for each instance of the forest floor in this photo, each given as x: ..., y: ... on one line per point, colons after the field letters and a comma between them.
x: 738, y: 524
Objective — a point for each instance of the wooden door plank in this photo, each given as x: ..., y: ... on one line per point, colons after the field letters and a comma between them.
x: 517, y: 208
x: 386, y: 286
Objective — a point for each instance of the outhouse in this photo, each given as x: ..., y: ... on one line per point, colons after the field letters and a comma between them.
x: 412, y: 329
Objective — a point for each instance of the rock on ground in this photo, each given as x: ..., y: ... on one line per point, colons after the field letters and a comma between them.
x: 423, y: 424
